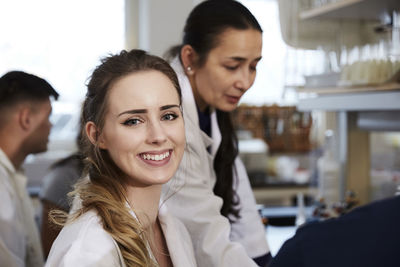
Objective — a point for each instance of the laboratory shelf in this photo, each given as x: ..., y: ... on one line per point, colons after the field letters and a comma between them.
x: 357, y: 101
x: 351, y: 9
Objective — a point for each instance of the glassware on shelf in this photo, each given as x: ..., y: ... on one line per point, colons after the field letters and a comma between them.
x: 320, y: 3
x: 395, y: 40
x: 371, y: 64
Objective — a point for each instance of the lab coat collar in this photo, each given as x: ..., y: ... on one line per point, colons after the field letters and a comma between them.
x: 5, y: 161
x: 215, y: 134
x: 18, y: 177
x: 172, y: 234
x: 189, y: 104
x: 177, y: 248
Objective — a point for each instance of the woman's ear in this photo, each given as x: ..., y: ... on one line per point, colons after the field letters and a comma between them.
x: 189, y: 59
x: 93, y: 135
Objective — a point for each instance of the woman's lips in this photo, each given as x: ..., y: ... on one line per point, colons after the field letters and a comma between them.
x: 156, y: 158
x: 233, y: 99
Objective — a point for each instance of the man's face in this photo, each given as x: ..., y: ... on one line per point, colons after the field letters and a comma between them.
x: 37, y: 141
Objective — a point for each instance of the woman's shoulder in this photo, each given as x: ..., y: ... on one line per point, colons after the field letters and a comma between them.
x: 85, y: 226
x: 84, y: 241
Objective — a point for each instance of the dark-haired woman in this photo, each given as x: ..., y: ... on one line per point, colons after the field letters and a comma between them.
x: 216, y: 64
x: 133, y: 142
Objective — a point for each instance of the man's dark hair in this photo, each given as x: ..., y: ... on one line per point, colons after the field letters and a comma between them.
x: 18, y: 86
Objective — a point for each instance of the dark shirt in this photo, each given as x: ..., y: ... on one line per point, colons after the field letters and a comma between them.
x: 263, y: 260
x: 205, y: 120
x: 369, y: 236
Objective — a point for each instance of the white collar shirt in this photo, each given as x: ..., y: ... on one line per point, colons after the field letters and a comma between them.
x: 19, y: 236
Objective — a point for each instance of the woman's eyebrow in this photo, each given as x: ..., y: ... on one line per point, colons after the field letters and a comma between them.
x: 169, y: 106
x: 240, y: 59
x: 141, y: 111
x: 133, y: 111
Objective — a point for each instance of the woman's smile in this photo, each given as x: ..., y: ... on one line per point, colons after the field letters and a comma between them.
x: 156, y: 158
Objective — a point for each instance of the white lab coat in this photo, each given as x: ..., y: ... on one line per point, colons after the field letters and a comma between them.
x: 19, y: 236
x: 216, y: 242
x: 84, y: 242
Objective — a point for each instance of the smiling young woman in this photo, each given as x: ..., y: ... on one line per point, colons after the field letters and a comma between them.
x: 134, y: 140
x: 143, y: 129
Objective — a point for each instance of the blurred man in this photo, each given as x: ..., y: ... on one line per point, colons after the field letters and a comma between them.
x: 25, y: 108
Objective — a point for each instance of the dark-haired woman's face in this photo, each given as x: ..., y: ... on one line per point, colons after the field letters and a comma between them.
x: 229, y: 70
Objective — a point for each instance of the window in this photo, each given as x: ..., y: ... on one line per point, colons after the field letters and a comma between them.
x: 61, y: 41
x: 282, y: 68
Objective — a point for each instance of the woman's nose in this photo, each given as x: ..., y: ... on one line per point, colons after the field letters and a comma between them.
x: 244, y: 81
x: 156, y: 133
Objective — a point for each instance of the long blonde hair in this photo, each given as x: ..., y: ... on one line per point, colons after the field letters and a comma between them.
x: 105, y: 192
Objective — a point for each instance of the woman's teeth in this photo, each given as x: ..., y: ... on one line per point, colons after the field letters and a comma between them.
x: 155, y: 157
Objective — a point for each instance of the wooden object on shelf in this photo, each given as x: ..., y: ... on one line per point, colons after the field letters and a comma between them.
x: 284, y: 129
x: 358, y: 164
x: 281, y: 196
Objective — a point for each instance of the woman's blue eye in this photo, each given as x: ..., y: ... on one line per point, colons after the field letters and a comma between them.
x: 131, y: 122
x: 169, y: 117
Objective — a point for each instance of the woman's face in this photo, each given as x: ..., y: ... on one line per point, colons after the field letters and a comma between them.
x: 144, y: 131
x: 229, y: 70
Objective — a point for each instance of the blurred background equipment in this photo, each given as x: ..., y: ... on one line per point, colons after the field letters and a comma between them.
x: 283, y: 128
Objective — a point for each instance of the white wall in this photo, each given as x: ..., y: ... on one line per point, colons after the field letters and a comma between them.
x: 156, y: 25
